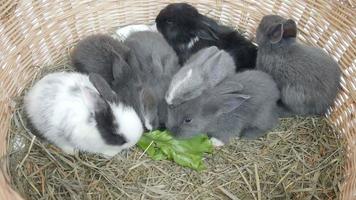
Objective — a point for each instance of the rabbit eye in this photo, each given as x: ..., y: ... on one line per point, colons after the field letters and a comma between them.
x: 187, y: 120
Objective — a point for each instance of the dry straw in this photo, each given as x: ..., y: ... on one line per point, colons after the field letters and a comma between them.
x: 38, y: 34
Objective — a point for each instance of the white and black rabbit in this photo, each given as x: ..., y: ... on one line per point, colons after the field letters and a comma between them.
x: 204, y: 70
x: 156, y: 62
x: 307, y: 77
x: 188, y: 31
x: 97, y: 54
x: 244, y: 105
x: 79, y: 112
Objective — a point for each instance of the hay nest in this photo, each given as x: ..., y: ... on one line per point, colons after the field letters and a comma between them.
x: 300, y: 159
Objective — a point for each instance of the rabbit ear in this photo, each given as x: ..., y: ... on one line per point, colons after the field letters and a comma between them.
x: 148, y: 98
x: 217, y: 67
x: 170, y: 65
x: 275, y: 33
x: 230, y: 87
x: 90, y: 96
x: 222, y: 104
x: 208, y: 29
x: 117, y: 67
x: 290, y: 29
x: 157, y: 61
x: 207, y: 34
x: 102, y: 86
x: 202, y: 56
x: 148, y: 106
x: 212, y: 64
x: 178, y: 83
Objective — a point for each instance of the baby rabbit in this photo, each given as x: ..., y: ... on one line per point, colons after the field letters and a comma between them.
x: 204, y: 70
x: 188, y: 31
x: 97, y: 54
x: 306, y: 76
x: 74, y: 111
x: 157, y: 63
x: 242, y: 105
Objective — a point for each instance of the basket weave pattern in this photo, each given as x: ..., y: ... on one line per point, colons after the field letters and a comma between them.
x: 34, y: 34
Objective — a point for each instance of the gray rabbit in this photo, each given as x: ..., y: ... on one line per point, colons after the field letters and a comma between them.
x: 156, y: 63
x: 242, y: 105
x: 205, y: 69
x: 307, y: 77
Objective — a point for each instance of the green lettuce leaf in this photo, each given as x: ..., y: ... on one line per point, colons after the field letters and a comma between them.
x: 160, y: 145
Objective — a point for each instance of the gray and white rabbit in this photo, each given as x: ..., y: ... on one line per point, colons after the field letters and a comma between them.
x: 97, y: 54
x: 307, y: 77
x: 79, y: 112
x: 244, y: 104
x: 204, y: 70
x: 157, y: 63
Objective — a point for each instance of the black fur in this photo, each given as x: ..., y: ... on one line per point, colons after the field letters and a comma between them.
x: 180, y: 23
x: 107, y: 126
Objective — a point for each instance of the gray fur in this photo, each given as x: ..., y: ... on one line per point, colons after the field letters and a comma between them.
x: 307, y: 77
x: 97, y: 53
x: 103, y: 87
x: 229, y: 110
x: 205, y: 69
x: 156, y: 62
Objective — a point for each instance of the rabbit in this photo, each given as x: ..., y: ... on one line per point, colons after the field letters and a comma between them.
x: 188, y: 31
x: 97, y: 53
x: 156, y: 63
x: 306, y: 76
x: 243, y: 105
x: 204, y: 70
x: 124, y: 32
x: 79, y: 112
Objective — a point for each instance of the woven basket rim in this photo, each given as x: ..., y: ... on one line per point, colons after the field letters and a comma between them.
x: 40, y: 39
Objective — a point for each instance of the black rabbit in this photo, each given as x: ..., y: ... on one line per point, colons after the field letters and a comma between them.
x: 188, y: 31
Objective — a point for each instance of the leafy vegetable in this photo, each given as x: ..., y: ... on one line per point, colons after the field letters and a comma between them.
x: 185, y: 152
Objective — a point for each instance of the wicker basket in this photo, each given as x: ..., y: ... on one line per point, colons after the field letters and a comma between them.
x: 38, y: 33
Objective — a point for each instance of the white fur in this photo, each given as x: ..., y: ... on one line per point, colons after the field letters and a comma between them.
x: 129, y: 124
x: 192, y: 42
x: 62, y: 117
x: 125, y: 32
x: 217, y: 142
x: 170, y: 95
